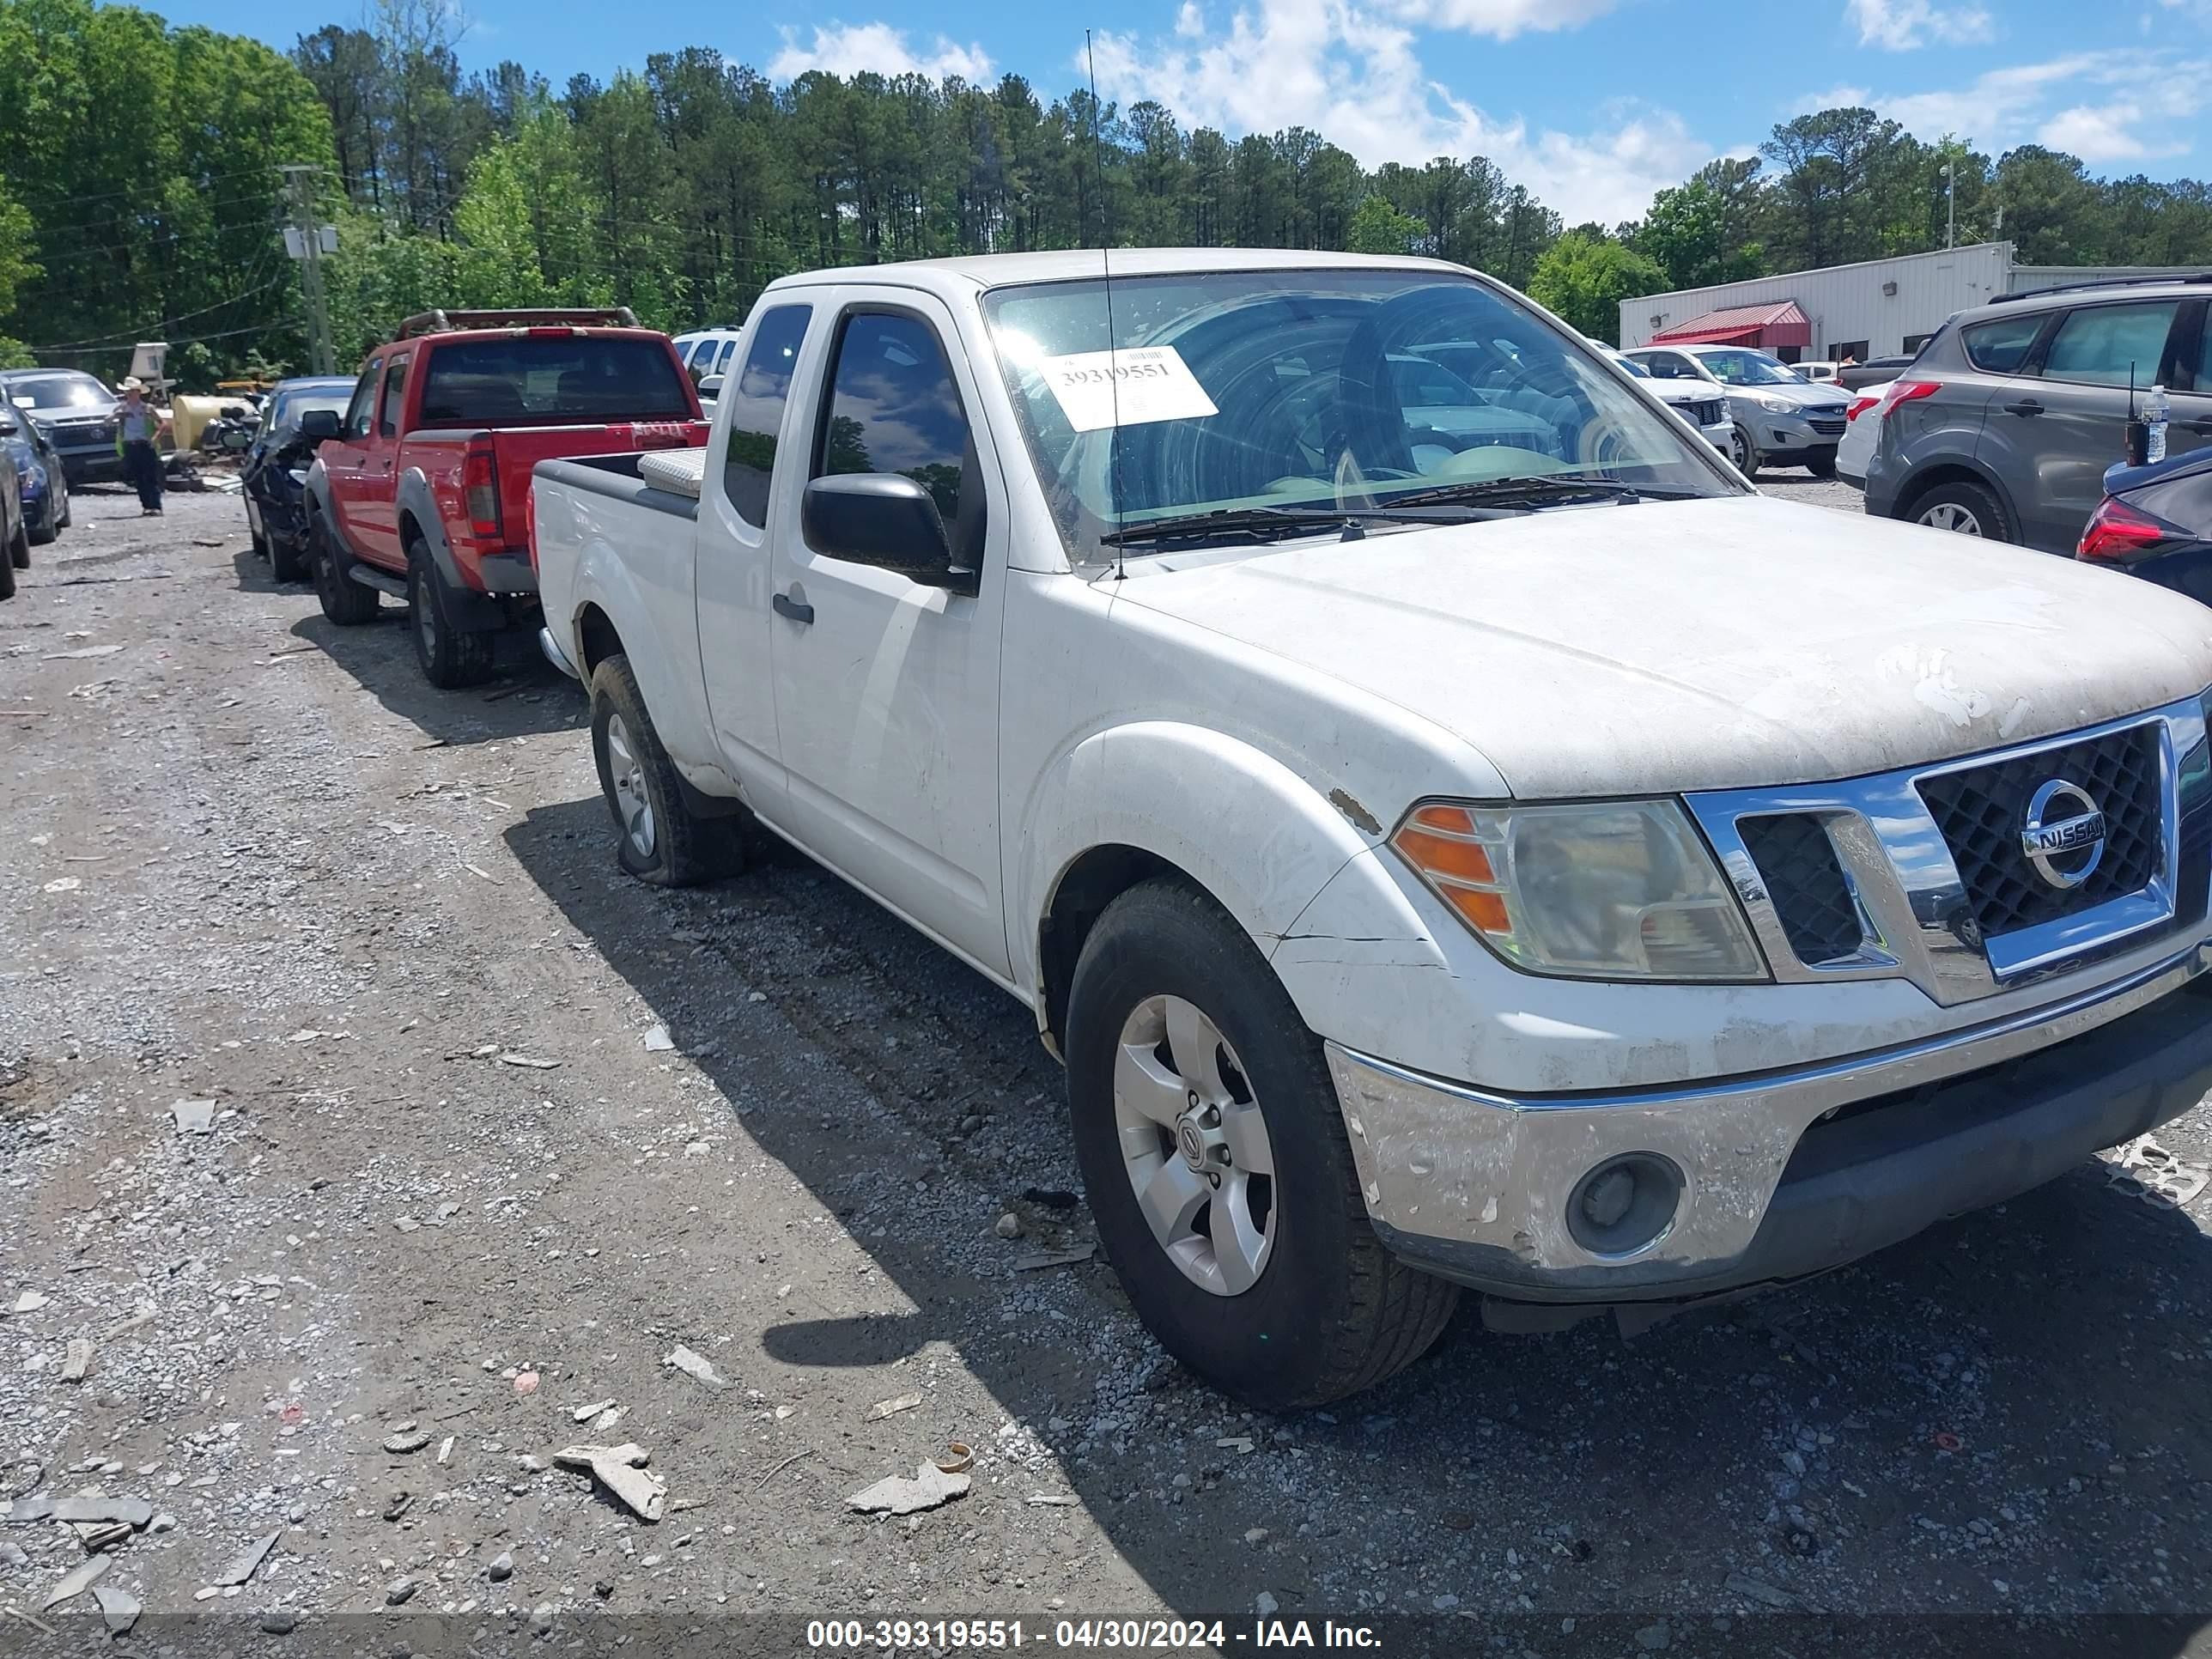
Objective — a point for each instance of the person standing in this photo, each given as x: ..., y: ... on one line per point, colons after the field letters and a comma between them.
x: 136, y: 425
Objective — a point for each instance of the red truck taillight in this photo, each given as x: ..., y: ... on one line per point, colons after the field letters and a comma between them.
x: 480, y: 483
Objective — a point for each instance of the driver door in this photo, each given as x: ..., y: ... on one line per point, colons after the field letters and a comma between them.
x: 886, y: 690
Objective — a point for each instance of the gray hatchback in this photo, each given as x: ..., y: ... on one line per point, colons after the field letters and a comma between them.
x: 2004, y: 424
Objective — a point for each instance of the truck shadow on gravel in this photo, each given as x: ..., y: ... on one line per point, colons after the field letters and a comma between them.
x: 526, y: 695
x: 2015, y: 1399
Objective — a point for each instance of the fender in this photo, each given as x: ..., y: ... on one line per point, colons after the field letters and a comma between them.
x: 472, y: 609
x: 318, y: 489
x: 1169, y: 788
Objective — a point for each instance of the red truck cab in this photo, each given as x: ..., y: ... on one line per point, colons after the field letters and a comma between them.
x: 423, y: 493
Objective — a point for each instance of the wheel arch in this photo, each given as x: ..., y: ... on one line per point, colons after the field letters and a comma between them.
x: 597, y: 637
x: 1955, y: 469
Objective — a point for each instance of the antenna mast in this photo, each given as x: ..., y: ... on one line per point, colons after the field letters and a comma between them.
x: 1106, y: 273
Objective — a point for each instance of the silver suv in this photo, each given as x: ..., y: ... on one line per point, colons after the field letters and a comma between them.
x: 2004, y: 424
x: 1779, y: 419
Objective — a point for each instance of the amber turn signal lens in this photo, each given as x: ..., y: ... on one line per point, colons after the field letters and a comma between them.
x: 1452, y: 820
x: 1437, y: 855
x: 1485, y: 912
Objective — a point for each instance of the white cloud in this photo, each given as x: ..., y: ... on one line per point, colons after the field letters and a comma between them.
x: 846, y: 50
x: 1355, y: 76
x: 1833, y: 98
x: 2114, y: 106
x: 1901, y: 25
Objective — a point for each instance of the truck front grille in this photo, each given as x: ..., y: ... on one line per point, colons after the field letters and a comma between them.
x: 1980, y: 813
x: 1811, y: 898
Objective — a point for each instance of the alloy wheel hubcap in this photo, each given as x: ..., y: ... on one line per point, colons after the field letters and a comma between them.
x: 632, y: 804
x: 1949, y: 515
x: 1195, y: 1145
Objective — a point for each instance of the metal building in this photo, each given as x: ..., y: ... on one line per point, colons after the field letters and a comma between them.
x: 1876, y: 308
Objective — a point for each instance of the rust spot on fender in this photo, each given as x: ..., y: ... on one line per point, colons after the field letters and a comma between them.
x: 1358, y: 816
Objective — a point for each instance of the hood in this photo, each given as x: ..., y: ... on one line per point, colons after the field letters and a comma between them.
x: 1809, y: 393
x: 1729, y: 643
x: 1687, y: 392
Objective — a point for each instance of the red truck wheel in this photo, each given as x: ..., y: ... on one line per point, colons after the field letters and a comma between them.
x: 450, y: 658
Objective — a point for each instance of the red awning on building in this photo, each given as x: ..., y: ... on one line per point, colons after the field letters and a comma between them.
x: 1779, y: 325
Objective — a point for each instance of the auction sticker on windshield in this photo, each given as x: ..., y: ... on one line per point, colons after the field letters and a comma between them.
x: 1130, y: 387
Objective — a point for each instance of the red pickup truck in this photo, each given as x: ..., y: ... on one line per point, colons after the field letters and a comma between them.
x: 423, y: 493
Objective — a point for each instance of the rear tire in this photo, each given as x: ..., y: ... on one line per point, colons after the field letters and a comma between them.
x: 1312, y: 1307
x: 1962, y: 508
x: 344, y: 601
x: 659, y: 839
x: 1822, y: 466
x: 451, y: 659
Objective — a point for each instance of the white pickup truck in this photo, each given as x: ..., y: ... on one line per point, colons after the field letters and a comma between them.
x: 1512, y: 855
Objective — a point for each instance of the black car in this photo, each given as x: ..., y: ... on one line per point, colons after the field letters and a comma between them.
x: 78, y: 413
x: 295, y: 416
x: 40, y: 475
x: 2155, y: 522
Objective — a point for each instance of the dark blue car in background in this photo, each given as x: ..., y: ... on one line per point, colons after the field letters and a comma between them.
x: 2155, y: 522
x: 40, y: 475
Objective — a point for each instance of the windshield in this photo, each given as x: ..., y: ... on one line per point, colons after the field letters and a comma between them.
x: 59, y: 392
x: 1309, y: 390
x: 1748, y: 368
x: 1632, y: 366
x: 286, y: 407
x: 520, y: 379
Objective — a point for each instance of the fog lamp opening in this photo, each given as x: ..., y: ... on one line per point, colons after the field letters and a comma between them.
x: 1626, y: 1204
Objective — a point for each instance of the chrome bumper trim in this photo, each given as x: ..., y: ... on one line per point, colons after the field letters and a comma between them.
x: 1452, y: 1162
x: 555, y: 655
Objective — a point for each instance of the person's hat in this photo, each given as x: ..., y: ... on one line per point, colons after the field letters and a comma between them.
x: 132, y: 383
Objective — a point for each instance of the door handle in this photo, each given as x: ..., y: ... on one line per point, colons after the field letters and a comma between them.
x: 798, y: 610
x: 2025, y: 406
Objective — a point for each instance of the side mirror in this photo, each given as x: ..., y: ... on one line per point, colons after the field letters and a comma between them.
x: 711, y: 387
x: 317, y: 424
x: 882, y: 519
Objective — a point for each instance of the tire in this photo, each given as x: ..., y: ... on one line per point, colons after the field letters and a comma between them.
x: 659, y: 839
x: 451, y: 659
x: 1744, y: 453
x: 62, y: 502
x: 285, y: 564
x: 43, y: 534
x: 1320, y: 1310
x: 344, y: 601
x: 261, y: 545
x: 8, y: 568
x: 1962, y: 508
x: 1822, y: 466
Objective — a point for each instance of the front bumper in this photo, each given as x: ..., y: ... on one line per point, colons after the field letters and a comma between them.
x: 1785, y: 1174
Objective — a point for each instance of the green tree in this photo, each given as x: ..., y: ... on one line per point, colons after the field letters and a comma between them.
x: 1698, y: 236
x: 1584, y: 280
x: 1378, y: 227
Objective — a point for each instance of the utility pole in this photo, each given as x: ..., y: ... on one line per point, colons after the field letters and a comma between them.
x: 1950, y: 203
x: 300, y: 182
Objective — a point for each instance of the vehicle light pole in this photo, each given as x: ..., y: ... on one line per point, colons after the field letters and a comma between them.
x: 298, y: 181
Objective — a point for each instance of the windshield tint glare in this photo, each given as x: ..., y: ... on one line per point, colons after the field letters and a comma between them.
x: 1309, y: 390
x: 61, y: 392
x: 1749, y: 369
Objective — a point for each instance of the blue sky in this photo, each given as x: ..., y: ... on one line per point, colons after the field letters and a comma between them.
x: 1592, y: 103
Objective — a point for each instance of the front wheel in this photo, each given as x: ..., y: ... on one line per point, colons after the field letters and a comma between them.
x: 1742, y: 451
x: 48, y: 527
x: 1822, y: 466
x: 344, y: 601
x: 1214, y: 1157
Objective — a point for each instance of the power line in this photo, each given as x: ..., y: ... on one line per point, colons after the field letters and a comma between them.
x: 195, y: 339
x: 131, y: 335
x: 134, y: 190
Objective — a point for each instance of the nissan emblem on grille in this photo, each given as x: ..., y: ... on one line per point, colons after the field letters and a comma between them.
x: 2062, y: 823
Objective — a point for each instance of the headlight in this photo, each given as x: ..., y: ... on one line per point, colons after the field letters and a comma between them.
x: 35, y: 477
x: 1776, y: 406
x: 1619, y: 890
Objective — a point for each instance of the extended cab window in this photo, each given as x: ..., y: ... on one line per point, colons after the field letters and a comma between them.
x: 756, y: 408
x: 894, y: 408
x: 364, y: 400
x: 395, y: 400
x: 526, y: 379
x: 2111, y: 345
x: 2000, y: 347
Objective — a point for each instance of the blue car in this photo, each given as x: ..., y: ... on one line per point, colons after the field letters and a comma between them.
x: 2155, y: 522
x: 39, y: 474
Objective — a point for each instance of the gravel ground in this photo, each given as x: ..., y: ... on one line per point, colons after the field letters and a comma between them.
x: 495, y: 1131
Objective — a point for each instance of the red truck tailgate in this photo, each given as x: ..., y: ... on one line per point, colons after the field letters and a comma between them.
x: 517, y: 449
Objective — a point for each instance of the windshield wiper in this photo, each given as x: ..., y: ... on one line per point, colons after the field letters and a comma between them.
x: 1268, y: 522
x: 1542, y: 489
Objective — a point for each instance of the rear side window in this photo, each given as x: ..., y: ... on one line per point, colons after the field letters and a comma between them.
x: 2000, y: 347
x: 364, y: 400
x: 756, y: 404
x: 722, y: 362
x: 395, y: 400
x: 2111, y: 345
x: 525, y: 380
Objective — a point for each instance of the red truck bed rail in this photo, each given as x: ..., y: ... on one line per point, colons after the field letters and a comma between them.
x: 446, y: 322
